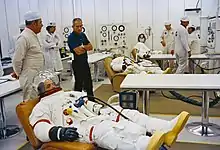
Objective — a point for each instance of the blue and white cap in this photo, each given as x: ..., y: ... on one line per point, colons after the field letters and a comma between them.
x: 167, y: 23
x: 185, y: 19
x: 52, y: 24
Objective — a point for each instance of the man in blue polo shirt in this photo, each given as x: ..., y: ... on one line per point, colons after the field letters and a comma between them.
x: 79, y: 45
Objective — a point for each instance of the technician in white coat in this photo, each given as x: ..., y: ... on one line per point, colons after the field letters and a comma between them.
x: 66, y: 116
x: 28, y: 58
x: 182, y: 50
x: 194, y: 45
x: 167, y: 41
x: 51, y: 43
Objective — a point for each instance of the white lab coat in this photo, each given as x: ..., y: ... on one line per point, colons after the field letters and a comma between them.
x: 168, y: 36
x: 181, y: 49
x: 111, y: 131
x: 51, y: 44
x: 1, y: 69
x: 27, y: 61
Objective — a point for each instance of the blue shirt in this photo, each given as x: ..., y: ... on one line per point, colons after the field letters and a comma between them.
x: 75, y: 40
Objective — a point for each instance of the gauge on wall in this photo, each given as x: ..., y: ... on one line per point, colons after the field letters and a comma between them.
x: 104, y: 28
x: 104, y: 34
x: 66, y: 35
x: 114, y: 28
x: 66, y: 30
x: 115, y: 38
x: 121, y: 28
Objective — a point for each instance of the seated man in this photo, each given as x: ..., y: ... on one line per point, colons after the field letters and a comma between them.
x: 124, y: 64
x: 67, y: 116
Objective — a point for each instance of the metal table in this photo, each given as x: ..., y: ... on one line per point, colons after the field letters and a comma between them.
x: 200, y: 82
x: 7, y: 88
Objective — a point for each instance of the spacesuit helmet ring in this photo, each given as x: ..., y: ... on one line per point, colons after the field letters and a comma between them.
x: 45, y: 81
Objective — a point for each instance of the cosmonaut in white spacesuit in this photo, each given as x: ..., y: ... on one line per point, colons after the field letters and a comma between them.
x: 124, y: 64
x: 143, y: 52
x: 67, y: 116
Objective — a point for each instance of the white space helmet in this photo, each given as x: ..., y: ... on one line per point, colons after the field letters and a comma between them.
x: 39, y: 79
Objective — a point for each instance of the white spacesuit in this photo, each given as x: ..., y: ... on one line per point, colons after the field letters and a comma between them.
x: 143, y: 52
x: 124, y: 64
x: 66, y: 116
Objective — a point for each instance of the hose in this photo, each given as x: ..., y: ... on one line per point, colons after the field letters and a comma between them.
x: 97, y: 100
x: 192, y: 101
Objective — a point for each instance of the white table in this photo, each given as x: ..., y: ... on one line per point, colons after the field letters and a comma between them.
x: 201, y: 82
x: 193, y: 57
x: 6, y: 89
x: 94, y: 59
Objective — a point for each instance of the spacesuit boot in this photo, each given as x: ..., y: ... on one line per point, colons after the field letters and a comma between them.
x: 167, y: 71
x: 156, y: 141
x: 149, y: 72
x: 171, y: 128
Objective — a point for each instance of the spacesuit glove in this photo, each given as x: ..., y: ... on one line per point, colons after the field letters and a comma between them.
x: 146, y: 56
x: 124, y: 67
x: 58, y: 133
x: 79, y: 102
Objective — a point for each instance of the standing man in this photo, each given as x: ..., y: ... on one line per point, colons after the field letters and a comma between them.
x: 182, y: 50
x: 167, y: 41
x: 79, y: 45
x: 51, y: 43
x: 194, y: 45
x: 28, y: 59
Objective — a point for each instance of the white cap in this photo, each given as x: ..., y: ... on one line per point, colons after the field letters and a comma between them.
x: 52, y: 24
x: 185, y: 18
x: 191, y: 26
x: 21, y: 26
x: 167, y: 23
x: 31, y: 16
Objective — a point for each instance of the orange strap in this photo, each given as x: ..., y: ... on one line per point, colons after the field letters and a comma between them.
x: 118, y: 117
x: 41, y: 120
x: 90, y: 133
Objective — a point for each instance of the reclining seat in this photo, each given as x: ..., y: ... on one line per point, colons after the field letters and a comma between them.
x: 114, y: 77
x: 23, y: 111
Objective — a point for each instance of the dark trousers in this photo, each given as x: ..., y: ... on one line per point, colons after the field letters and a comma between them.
x: 83, y: 79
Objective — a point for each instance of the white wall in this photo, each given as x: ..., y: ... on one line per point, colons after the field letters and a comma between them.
x: 136, y: 14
